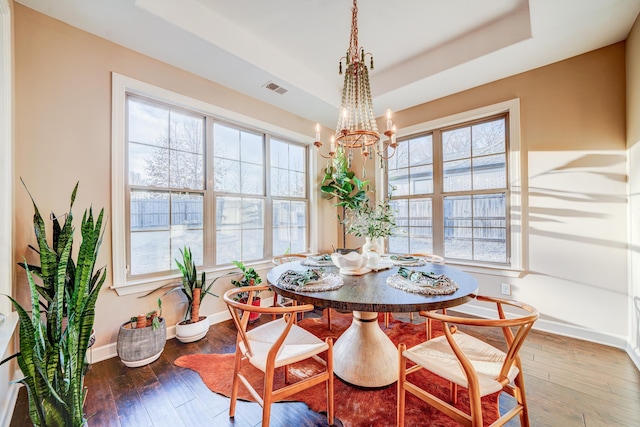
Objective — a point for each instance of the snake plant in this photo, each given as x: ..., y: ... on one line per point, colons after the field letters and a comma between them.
x: 52, y: 356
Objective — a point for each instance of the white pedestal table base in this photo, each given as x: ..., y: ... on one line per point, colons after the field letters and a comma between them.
x: 364, y: 355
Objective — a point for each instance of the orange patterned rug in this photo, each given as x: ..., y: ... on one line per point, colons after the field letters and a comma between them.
x: 354, y: 407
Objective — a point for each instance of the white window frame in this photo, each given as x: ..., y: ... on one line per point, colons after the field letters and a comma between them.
x: 308, y: 192
x: 121, y: 85
x: 512, y: 107
x: 6, y: 158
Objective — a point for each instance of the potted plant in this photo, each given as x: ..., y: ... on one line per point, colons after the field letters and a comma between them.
x: 342, y: 184
x: 249, y: 278
x: 55, y: 338
x: 372, y: 223
x: 193, y: 327
x: 141, y: 340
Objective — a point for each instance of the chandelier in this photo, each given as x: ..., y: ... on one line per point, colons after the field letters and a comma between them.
x: 357, y: 127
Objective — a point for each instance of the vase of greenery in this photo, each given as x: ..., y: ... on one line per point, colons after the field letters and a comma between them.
x: 372, y: 223
x: 55, y: 338
x: 249, y: 278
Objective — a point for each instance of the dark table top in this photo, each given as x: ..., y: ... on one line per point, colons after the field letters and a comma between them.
x: 370, y: 291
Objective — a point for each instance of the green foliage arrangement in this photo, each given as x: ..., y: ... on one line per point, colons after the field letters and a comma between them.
x: 249, y: 278
x: 373, y: 222
x: 342, y: 184
x: 52, y: 356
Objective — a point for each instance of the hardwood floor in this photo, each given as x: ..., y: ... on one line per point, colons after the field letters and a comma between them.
x: 569, y: 383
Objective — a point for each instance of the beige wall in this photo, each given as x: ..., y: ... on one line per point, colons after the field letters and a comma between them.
x: 574, y: 203
x: 633, y: 146
x: 63, y: 135
x: 574, y: 163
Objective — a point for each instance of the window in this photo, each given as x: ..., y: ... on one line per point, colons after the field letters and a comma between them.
x: 451, y: 187
x: 238, y: 176
x: 289, y: 191
x: 166, y: 185
x: 189, y: 178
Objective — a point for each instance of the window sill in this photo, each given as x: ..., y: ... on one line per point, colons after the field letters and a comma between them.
x: 151, y: 283
x: 6, y: 331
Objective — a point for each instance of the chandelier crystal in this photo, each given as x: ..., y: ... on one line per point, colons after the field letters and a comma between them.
x: 357, y: 127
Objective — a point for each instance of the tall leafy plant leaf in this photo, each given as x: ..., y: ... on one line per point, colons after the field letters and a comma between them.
x: 53, y: 357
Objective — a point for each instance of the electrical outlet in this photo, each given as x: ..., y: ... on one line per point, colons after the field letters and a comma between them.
x: 505, y: 289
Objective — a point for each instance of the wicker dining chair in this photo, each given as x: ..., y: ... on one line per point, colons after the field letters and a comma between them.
x: 471, y: 363
x: 273, y: 345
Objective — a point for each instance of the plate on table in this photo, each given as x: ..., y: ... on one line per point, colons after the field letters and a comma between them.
x: 356, y: 272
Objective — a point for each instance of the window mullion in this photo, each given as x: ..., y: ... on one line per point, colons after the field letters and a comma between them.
x: 437, y: 213
x: 209, y: 198
x: 268, y: 214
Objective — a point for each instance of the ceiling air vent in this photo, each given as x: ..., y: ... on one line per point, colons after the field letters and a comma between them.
x: 274, y: 87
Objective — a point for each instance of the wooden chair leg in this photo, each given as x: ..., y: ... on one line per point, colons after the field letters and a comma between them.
x: 411, y: 316
x: 330, y: 407
x: 521, y: 398
x: 275, y: 304
x: 267, y: 397
x: 329, y: 326
x: 386, y: 320
x: 402, y: 374
x: 453, y: 392
x: 236, y: 381
x: 295, y: 320
x: 475, y: 406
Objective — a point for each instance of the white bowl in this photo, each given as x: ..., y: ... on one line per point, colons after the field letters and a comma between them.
x: 350, y: 261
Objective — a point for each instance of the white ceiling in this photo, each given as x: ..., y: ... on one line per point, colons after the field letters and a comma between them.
x: 423, y: 49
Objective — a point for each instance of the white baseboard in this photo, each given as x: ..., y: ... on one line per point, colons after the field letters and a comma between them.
x: 9, y: 403
x: 108, y: 351
x: 570, y: 331
x: 556, y: 328
x: 634, y: 354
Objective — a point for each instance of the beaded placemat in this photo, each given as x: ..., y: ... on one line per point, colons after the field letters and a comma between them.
x: 326, y: 282
x: 418, y: 262
x: 441, y: 285
x: 318, y: 261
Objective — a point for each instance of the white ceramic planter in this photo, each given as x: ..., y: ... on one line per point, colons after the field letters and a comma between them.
x: 190, y: 332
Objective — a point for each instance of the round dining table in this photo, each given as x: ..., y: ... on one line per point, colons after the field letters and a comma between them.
x: 364, y: 355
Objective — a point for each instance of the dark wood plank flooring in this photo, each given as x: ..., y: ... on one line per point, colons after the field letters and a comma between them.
x: 569, y: 383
